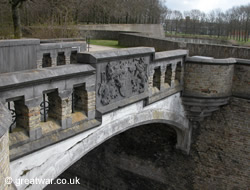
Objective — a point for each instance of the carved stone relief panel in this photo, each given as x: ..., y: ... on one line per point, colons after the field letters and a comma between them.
x: 121, y: 79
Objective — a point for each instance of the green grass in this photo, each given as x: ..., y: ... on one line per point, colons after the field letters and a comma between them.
x: 108, y: 43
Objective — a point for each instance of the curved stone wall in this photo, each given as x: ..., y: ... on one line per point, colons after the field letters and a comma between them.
x: 241, y: 79
x: 208, y: 78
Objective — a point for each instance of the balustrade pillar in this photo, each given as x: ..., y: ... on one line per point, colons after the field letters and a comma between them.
x: 162, y: 80
x: 33, y: 118
x: 67, y: 57
x: 66, y: 109
x: 90, y: 102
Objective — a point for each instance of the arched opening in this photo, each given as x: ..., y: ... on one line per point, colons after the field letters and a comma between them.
x: 46, y: 62
x: 73, y: 57
x: 19, y: 128
x: 168, y: 75
x: 157, y: 79
x: 143, y: 157
x: 51, y: 111
x: 61, y: 59
x: 79, y: 103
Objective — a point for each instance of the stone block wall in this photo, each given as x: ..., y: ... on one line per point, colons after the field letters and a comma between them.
x: 241, y: 79
x: 137, y: 40
x: 206, y: 78
x: 162, y: 44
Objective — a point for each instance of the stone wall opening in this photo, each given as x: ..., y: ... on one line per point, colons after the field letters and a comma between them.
x: 19, y: 128
x: 61, y: 58
x: 178, y: 73
x: 157, y: 78
x: 19, y: 112
x: 79, y: 103
x: 168, y: 75
x: 47, y: 61
x: 51, y: 111
x: 73, y: 57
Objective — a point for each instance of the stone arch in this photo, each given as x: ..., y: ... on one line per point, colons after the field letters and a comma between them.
x: 59, y: 157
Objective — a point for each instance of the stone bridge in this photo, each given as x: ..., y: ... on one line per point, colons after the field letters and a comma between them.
x: 54, y: 114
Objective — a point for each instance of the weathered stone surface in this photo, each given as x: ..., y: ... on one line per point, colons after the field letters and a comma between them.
x: 241, y: 79
x: 208, y: 80
x: 64, y: 153
x: 163, y: 44
x: 4, y: 161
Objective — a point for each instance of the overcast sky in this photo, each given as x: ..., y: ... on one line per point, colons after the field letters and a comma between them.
x: 204, y: 5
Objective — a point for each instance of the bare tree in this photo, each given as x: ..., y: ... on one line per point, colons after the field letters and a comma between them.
x: 15, y: 6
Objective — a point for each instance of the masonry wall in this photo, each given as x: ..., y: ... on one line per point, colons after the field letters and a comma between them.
x: 207, y: 80
x: 221, y: 150
x: 17, y: 55
x: 101, y: 34
x: 4, y: 161
x: 241, y: 80
x: 161, y: 44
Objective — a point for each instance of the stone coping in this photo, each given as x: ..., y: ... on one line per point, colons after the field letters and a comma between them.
x: 200, y: 60
x: 5, y: 119
x: 170, y: 54
x: 19, y: 42
x: 243, y: 61
x: 45, y: 74
x: 60, y: 45
x: 56, y: 40
x: 185, y: 43
x: 95, y: 57
x: 143, y: 35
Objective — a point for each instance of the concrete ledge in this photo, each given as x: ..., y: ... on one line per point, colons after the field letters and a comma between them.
x: 170, y: 54
x: 96, y: 57
x: 164, y: 94
x: 60, y: 45
x: 19, y: 42
x: 38, y: 75
x: 199, y: 60
x: 60, y: 40
x: 19, y: 150
x: 243, y: 62
x: 122, y: 103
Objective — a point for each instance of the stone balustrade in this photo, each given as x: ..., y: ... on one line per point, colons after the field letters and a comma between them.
x: 51, y: 104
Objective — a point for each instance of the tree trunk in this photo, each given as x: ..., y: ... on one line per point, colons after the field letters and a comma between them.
x: 16, y: 21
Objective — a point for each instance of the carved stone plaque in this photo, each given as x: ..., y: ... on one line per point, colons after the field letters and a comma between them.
x: 122, y: 79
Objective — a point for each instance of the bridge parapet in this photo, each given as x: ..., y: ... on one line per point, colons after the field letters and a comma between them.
x: 26, y: 54
x: 51, y: 104
x: 48, y: 105
x: 209, y: 83
x: 166, y: 74
x: 121, y: 76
